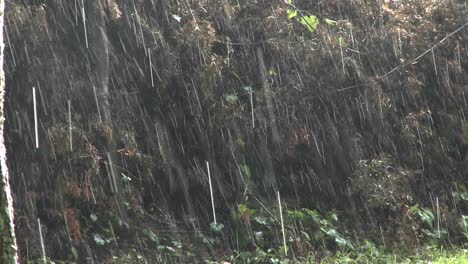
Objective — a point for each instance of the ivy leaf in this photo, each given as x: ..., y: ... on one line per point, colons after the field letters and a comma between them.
x: 330, y: 22
x: 262, y: 221
x: 464, y: 224
x: 241, y: 143
x: 344, y: 243
x: 74, y: 252
x: 151, y: 235
x: 93, y: 217
x: 100, y: 241
x: 177, y: 244
x: 292, y: 13
x: 426, y: 216
x: 333, y: 216
x: 245, y: 170
x: 231, y: 98
x: 414, y: 208
x: 248, y: 89
x: 311, y: 22
x: 216, y: 228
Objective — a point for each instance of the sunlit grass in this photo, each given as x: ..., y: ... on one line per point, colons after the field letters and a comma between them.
x: 443, y: 257
x: 432, y: 256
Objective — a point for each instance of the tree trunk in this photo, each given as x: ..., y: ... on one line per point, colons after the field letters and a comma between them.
x: 89, y: 30
x: 99, y: 53
x: 8, y: 253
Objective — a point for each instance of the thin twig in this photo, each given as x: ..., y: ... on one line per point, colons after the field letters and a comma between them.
x: 415, y: 60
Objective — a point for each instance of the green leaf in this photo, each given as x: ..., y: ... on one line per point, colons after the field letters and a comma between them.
x: 330, y: 22
x: 259, y: 236
x: 465, y: 222
x: 248, y: 88
x: 311, y: 22
x: 313, y: 214
x: 272, y: 72
x: 74, y: 252
x: 125, y: 178
x: 426, y: 216
x: 292, y: 13
x: 216, y: 228
x: 240, y: 142
x: 461, y: 196
x: 100, y: 241
x: 342, y: 242
x: 151, y: 235
x: 93, y: 217
x: 331, y: 232
x: 305, y: 236
x: 414, y: 208
x: 231, y: 98
x: 245, y: 170
x: 333, y: 217
x: 205, y: 240
x: 296, y: 215
x: 177, y: 244
x: 170, y: 249
x: 464, y: 225
x: 262, y: 221
x: 244, y: 210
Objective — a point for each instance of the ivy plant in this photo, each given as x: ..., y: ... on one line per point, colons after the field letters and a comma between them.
x: 309, y: 21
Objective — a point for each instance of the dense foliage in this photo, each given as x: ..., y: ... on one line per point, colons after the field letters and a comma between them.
x: 354, y: 110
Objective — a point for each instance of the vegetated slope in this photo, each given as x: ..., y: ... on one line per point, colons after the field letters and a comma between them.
x: 364, y: 112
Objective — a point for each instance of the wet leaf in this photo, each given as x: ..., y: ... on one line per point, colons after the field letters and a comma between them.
x: 100, y: 241
x: 248, y: 88
x: 240, y: 142
x: 311, y: 22
x: 331, y: 22
x: 177, y: 244
x: 292, y: 13
x: 74, y: 252
x: 151, y: 235
x: 93, y: 217
x: 231, y: 98
x: 177, y: 18
x: 216, y: 228
x: 245, y: 170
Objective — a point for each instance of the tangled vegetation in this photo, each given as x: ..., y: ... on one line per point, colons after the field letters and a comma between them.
x: 355, y: 111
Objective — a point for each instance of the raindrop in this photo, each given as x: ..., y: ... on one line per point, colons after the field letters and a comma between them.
x: 84, y: 22
x: 35, y: 118
x: 282, y: 224
x: 70, y: 126
x: 42, y: 240
x: 211, y: 191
